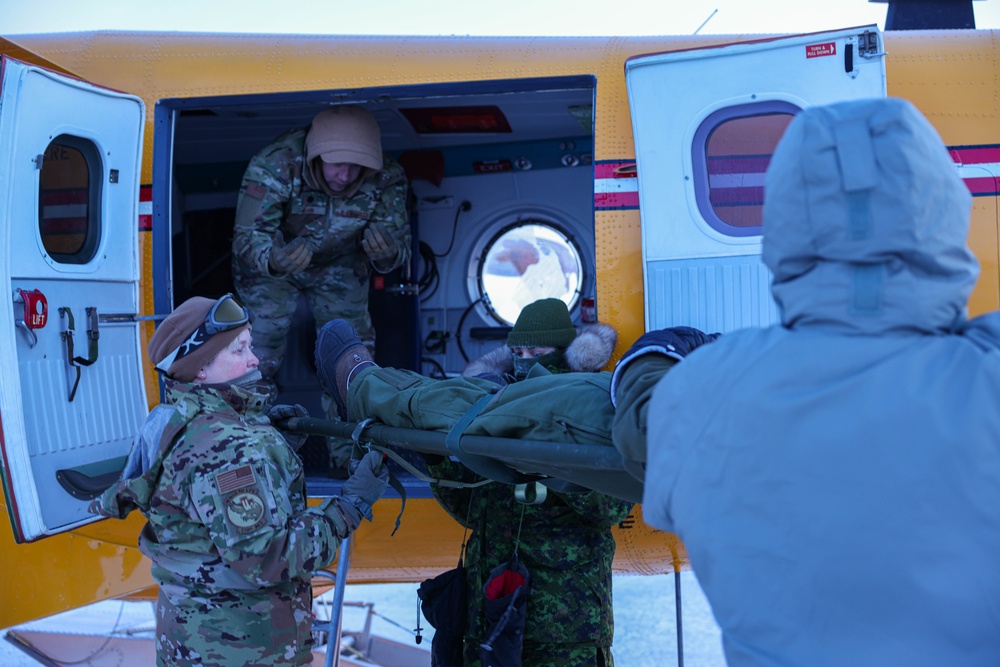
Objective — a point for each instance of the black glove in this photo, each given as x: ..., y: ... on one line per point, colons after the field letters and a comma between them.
x: 278, y: 414
x: 673, y: 342
x: 676, y: 342
x: 366, y: 484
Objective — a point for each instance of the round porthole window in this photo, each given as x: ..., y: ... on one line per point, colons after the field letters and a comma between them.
x: 528, y: 260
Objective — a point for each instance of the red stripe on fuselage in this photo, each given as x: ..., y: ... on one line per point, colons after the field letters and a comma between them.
x: 145, y: 219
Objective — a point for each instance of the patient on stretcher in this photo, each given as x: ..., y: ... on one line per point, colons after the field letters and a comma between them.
x: 601, y: 408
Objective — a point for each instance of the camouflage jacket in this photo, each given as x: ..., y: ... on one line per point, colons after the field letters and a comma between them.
x: 279, y: 192
x: 225, y: 498
x: 565, y: 542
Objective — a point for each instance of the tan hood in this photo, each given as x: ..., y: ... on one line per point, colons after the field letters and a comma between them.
x: 344, y: 133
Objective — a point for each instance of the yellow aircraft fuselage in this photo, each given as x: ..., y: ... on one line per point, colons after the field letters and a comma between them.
x: 949, y: 76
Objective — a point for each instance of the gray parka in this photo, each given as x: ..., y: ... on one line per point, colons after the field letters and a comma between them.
x: 836, y: 478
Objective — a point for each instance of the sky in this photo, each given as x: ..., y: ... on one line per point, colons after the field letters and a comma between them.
x: 454, y: 17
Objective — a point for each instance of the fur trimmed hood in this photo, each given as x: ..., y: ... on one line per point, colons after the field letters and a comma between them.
x: 589, y: 352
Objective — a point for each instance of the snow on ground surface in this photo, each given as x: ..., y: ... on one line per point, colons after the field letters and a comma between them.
x: 645, y: 632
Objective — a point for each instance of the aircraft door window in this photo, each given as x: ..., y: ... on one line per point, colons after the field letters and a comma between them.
x: 527, y: 261
x: 731, y: 152
x: 69, y: 200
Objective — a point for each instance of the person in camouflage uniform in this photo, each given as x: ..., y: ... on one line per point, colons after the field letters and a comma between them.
x: 318, y: 209
x: 565, y: 541
x: 231, y: 539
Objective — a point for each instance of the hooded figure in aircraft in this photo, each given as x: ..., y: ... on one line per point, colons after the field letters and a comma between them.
x: 319, y: 209
x: 835, y: 477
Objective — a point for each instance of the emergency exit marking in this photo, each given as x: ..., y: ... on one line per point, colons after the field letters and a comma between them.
x: 492, y: 166
x: 819, y: 50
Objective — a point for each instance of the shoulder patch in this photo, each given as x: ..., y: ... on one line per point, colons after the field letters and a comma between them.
x: 255, y: 191
x: 242, y: 504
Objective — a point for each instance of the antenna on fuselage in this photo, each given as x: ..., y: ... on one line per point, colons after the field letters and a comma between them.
x: 714, y: 12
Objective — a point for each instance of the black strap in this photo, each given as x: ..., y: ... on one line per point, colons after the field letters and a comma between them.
x: 93, y: 335
x: 393, y: 480
x: 68, y: 337
x: 396, y: 484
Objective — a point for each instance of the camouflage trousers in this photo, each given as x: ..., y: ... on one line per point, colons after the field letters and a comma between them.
x: 332, y: 292
x: 550, y: 655
x: 263, y: 628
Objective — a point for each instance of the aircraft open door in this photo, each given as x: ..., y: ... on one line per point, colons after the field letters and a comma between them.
x: 71, y: 386
x: 705, y: 123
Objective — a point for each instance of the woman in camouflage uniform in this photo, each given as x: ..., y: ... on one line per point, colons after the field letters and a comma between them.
x: 232, y: 542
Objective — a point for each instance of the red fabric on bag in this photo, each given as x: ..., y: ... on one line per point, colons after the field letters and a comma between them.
x: 505, y: 584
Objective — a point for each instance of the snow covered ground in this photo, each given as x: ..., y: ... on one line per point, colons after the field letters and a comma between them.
x: 645, y: 632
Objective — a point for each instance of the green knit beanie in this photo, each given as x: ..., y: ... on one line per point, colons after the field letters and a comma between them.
x: 544, y: 323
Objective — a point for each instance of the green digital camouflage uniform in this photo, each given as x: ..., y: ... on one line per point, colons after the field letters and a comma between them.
x: 231, y: 539
x: 279, y: 192
x: 565, y: 542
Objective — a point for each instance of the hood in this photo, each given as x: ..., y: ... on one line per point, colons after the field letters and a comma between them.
x: 345, y: 133
x: 592, y: 348
x: 865, y: 222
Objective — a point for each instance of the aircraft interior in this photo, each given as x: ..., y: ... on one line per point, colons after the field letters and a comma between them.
x: 501, y: 174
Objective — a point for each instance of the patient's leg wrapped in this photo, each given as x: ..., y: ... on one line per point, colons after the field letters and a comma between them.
x: 570, y: 407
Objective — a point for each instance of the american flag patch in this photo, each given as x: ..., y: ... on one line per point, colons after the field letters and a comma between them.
x: 256, y: 191
x: 234, y: 479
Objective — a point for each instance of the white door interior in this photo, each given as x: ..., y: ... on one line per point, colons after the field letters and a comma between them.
x: 71, y: 386
x: 705, y: 123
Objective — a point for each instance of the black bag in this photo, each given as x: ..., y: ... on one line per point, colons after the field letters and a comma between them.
x: 506, y: 599
x: 444, y: 603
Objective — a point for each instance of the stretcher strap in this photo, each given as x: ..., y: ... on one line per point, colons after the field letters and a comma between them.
x: 393, y: 480
x: 422, y: 476
x: 481, y: 465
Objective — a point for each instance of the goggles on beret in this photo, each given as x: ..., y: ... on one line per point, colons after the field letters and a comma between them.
x: 226, y: 314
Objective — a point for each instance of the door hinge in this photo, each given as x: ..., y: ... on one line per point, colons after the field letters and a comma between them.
x: 868, y: 46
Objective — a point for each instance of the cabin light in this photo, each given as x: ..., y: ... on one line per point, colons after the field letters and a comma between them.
x: 455, y: 120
